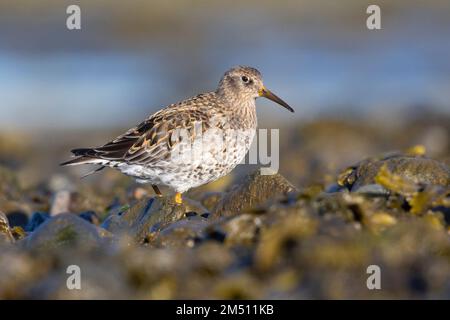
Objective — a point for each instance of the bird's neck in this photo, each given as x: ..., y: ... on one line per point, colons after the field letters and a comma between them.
x: 241, y: 114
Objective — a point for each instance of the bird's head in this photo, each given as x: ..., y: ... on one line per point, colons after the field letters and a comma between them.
x: 245, y: 83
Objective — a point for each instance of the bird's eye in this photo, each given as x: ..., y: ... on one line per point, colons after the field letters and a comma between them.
x: 245, y: 79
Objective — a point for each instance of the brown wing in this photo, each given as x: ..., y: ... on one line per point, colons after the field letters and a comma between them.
x: 153, y: 139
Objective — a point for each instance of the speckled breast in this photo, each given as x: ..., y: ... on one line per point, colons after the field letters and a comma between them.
x: 208, y: 157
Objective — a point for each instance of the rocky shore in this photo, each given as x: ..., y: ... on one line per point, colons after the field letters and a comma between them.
x: 310, y: 231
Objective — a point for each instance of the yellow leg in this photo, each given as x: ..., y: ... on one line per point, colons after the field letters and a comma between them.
x: 178, y: 198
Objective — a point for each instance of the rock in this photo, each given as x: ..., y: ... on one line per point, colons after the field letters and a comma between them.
x: 6, y: 235
x: 372, y: 189
x: 335, y: 187
x: 9, y: 185
x: 61, y: 203
x: 254, y: 190
x: 100, y: 277
x: 140, y: 193
x: 11, y: 193
x: 17, y: 219
x: 36, y: 220
x: 280, y: 240
x: 241, y: 286
x: 240, y: 230
x: 212, y: 258
x: 195, y: 206
x: 210, y: 199
x: 182, y: 233
x: 380, y: 221
x: 64, y: 230
x: 146, y: 216
x: 91, y: 217
x: 60, y: 182
x: 19, y: 270
x: 418, y: 170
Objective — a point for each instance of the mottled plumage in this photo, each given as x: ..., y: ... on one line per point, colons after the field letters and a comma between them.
x: 191, y: 142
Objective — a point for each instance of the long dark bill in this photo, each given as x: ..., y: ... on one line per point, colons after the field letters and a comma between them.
x: 271, y: 96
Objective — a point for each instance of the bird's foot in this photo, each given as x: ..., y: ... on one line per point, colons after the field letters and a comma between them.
x: 178, y: 198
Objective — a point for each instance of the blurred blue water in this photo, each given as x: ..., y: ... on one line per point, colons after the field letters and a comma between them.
x: 317, y: 72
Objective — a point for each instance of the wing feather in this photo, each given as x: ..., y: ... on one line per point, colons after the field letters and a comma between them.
x: 153, y: 139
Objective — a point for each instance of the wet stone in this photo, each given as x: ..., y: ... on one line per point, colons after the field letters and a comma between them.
x: 182, y: 233
x: 210, y: 199
x: 146, y: 216
x: 254, y: 190
x: 17, y: 219
x: 64, y: 230
x: 241, y: 230
x: 61, y: 203
x: 419, y: 170
x: 91, y: 217
x: 36, y: 220
x: 9, y: 186
x: 194, y: 206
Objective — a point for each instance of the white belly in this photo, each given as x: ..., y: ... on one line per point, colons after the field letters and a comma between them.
x: 194, y: 163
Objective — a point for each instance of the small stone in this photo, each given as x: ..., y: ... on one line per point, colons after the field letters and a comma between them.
x: 191, y: 214
x: 146, y: 216
x: 254, y: 190
x: 182, y: 233
x: 64, y: 230
x: 381, y: 220
x: 17, y: 219
x: 395, y: 171
x: 140, y: 193
x: 91, y: 217
x: 61, y: 203
x: 373, y: 189
x: 241, y: 230
x: 60, y: 182
x: 210, y: 199
x: 36, y: 220
x: 194, y: 206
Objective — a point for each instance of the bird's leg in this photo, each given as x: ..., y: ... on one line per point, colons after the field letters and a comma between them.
x: 156, y: 189
x: 178, y: 199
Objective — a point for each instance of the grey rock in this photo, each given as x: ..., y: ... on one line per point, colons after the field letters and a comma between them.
x: 255, y: 189
x: 61, y: 203
x: 100, y: 278
x: 242, y: 229
x: 36, y: 220
x: 371, y: 189
x: 195, y: 206
x: 182, y: 233
x: 210, y: 199
x: 419, y: 170
x: 90, y: 216
x: 146, y: 216
x: 65, y: 230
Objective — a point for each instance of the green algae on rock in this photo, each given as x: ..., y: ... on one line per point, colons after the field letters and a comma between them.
x: 63, y: 230
x: 144, y: 217
x: 416, y: 170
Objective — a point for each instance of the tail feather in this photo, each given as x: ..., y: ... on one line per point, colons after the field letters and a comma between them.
x: 92, y: 172
x: 83, y: 152
x: 83, y: 156
x: 79, y: 160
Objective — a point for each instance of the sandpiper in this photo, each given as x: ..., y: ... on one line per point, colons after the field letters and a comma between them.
x: 160, y: 149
